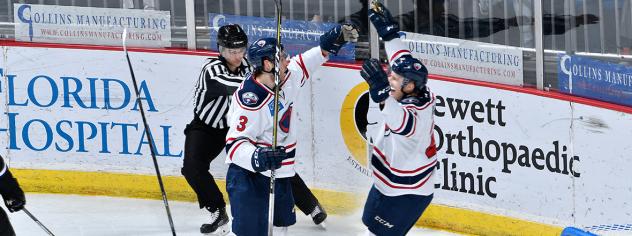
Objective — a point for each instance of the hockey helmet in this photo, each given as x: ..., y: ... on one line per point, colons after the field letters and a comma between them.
x: 262, y: 49
x: 412, y: 70
x: 232, y: 36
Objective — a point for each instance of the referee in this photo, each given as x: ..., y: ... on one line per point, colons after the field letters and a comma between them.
x: 206, y: 134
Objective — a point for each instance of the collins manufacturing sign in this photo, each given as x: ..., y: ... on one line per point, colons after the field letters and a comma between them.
x: 297, y: 36
x: 89, y: 25
x: 596, y: 79
x: 468, y: 59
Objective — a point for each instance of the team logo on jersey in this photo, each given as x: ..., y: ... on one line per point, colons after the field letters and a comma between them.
x: 249, y: 98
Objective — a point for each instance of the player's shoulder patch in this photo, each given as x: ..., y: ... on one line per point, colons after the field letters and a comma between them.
x: 249, y: 98
x: 252, y: 95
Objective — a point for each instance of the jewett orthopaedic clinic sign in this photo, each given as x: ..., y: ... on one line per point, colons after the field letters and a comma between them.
x: 90, y: 25
x: 468, y: 59
x: 503, y: 152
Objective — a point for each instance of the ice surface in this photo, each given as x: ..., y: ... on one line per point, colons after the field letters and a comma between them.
x: 96, y: 215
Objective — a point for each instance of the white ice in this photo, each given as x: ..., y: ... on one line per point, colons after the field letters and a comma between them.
x: 96, y: 215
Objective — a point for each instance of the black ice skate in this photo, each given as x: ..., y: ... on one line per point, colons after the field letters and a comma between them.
x: 218, y: 225
x: 319, y: 215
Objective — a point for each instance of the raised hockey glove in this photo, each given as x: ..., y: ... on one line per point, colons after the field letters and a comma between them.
x: 12, y: 193
x: 333, y: 40
x: 377, y: 79
x: 386, y: 26
x: 264, y: 158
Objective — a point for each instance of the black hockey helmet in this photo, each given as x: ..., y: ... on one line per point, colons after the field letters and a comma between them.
x: 232, y: 36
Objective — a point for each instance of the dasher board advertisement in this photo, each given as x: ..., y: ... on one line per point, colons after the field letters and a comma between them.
x: 468, y: 59
x: 91, y: 25
x: 74, y: 109
x: 601, y: 80
x: 297, y: 36
x: 501, y: 152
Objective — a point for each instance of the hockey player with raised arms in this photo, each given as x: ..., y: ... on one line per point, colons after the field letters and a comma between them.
x: 249, y: 140
x: 403, y: 157
x: 206, y: 133
x: 13, y: 197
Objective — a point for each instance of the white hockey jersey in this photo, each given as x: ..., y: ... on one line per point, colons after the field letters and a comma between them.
x: 403, y: 157
x: 251, y: 114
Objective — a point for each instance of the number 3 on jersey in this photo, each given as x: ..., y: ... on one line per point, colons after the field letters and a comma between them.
x: 242, y: 123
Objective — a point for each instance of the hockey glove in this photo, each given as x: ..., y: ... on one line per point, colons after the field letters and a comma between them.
x: 377, y: 79
x: 386, y: 26
x: 264, y: 158
x: 333, y: 40
x: 12, y: 193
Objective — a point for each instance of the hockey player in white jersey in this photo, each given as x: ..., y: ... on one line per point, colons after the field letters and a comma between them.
x: 206, y: 133
x: 249, y: 139
x: 403, y: 159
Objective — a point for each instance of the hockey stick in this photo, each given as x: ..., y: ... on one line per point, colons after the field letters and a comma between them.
x: 148, y: 132
x: 277, y: 83
x: 37, y: 221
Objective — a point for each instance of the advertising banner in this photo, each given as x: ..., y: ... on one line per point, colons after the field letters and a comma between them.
x: 603, y: 191
x: 76, y: 109
x: 296, y: 36
x: 90, y: 25
x: 502, y: 152
x: 468, y: 59
x: 586, y: 77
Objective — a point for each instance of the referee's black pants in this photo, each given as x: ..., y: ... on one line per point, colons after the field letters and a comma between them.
x: 202, y: 144
x: 5, y: 225
x: 304, y: 199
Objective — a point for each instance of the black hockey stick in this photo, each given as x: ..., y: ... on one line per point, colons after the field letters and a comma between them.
x: 277, y: 84
x: 148, y: 132
x: 38, y: 222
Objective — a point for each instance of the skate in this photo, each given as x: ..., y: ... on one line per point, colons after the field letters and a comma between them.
x: 218, y: 225
x: 319, y: 215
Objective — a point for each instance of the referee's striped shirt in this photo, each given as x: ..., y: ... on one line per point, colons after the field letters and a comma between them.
x: 3, y: 167
x: 213, y: 91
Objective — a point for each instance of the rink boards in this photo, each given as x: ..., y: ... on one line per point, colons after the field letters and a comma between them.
x: 512, y: 161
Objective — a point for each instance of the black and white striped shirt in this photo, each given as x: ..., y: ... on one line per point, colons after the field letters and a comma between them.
x: 3, y: 167
x: 213, y: 91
